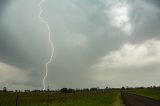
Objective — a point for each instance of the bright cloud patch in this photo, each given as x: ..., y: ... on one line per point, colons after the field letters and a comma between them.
x: 119, y: 15
x: 120, y: 19
x: 132, y: 55
x: 13, y: 75
x: 131, y: 65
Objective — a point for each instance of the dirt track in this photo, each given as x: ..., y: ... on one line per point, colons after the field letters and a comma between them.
x: 135, y: 100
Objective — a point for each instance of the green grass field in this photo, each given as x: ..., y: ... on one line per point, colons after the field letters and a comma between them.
x: 151, y: 93
x: 110, y: 98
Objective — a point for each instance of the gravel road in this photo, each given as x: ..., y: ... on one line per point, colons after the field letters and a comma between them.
x: 136, y: 100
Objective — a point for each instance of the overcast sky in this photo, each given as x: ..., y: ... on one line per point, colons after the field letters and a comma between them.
x: 97, y: 43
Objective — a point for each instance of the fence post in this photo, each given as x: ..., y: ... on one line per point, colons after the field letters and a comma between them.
x: 17, y: 101
x: 48, y: 100
x: 65, y: 97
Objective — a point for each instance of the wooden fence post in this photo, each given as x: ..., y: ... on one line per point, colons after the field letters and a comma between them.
x: 65, y: 97
x: 48, y: 100
x: 17, y: 101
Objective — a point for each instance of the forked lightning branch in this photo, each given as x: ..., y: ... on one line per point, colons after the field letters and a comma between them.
x: 49, y: 39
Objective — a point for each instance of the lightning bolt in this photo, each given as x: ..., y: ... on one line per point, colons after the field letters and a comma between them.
x: 49, y: 38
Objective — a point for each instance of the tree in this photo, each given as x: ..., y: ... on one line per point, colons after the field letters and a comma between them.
x: 123, y: 88
x: 64, y: 90
x: 4, y: 89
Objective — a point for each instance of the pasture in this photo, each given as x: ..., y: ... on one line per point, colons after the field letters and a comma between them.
x: 108, y: 98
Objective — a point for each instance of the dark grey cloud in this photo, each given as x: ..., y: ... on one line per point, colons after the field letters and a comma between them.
x: 3, y: 4
x: 154, y: 2
x: 144, y: 15
x: 8, y: 43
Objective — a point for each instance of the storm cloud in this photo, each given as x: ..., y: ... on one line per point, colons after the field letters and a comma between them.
x: 97, y: 43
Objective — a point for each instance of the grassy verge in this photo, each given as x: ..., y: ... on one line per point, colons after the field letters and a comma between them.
x: 151, y: 93
x: 118, y: 101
